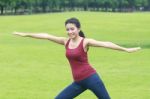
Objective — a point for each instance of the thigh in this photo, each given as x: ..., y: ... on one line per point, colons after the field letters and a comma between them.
x: 71, y: 91
x: 96, y: 85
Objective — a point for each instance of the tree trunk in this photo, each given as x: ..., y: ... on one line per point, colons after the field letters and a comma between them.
x: 2, y: 10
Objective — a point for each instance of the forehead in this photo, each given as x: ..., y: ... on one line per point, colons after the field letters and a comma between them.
x: 70, y: 25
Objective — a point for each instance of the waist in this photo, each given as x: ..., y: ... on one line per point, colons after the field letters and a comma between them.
x: 80, y: 73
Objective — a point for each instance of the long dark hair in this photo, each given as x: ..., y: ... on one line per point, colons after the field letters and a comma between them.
x: 76, y: 22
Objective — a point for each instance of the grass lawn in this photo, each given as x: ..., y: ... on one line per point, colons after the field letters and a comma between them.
x: 38, y: 69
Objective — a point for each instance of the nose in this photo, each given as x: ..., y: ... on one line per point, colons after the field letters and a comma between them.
x: 69, y: 32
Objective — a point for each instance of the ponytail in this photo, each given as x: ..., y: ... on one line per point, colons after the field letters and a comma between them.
x: 81, y: 34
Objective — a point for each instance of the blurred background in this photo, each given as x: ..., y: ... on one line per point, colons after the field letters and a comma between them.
x: 44, y: 6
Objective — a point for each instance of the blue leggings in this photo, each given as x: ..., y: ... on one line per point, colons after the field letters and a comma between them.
x: 93, y: 83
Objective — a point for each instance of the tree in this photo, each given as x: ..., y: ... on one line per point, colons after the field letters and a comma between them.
x: 4, y: 4
x: 123, y: 5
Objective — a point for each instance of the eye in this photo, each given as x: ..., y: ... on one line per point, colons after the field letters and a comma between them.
x: 67, y: 29
x: 72, y: 28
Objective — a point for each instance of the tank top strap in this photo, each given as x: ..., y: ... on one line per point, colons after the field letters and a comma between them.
x: 67, y: 43
x: 81, y: 43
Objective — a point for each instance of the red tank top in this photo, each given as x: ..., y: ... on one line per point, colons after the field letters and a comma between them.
x: 78, y: 60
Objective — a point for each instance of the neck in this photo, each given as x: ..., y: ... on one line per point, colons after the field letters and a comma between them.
x: 75, y: 39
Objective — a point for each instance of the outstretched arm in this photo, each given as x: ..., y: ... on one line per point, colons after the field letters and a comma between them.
x: 95, y: 43
x: 59, y: 40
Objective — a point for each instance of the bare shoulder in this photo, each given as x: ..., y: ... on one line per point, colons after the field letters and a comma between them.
x: 65, y: 40
x: 93, y: 42
x: 87, y: 41
x: 86, y: 44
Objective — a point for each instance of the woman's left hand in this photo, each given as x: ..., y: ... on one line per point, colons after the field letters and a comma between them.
x: 130, y: 50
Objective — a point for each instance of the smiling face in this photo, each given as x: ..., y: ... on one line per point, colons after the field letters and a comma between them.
x: 72, y: 30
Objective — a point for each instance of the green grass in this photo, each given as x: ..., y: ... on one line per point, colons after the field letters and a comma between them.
x: 36, y: 69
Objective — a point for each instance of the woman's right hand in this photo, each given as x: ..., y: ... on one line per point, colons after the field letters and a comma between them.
x: 130, y: 50
x: 20, y: 34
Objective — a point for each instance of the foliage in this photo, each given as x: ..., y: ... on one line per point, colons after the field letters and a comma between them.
x: 36, y: 6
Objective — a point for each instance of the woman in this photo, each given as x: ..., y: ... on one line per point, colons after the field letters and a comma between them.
x: 85, y: 77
